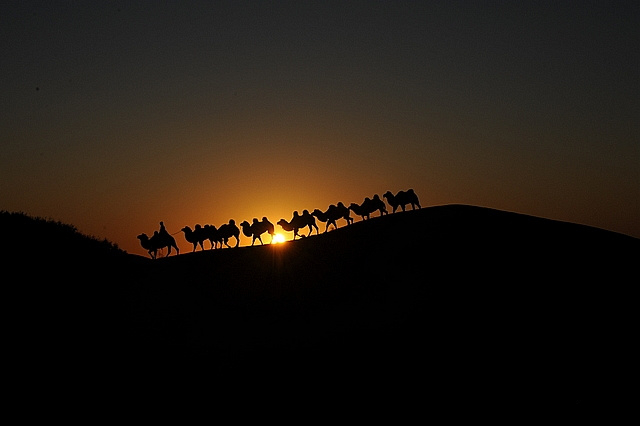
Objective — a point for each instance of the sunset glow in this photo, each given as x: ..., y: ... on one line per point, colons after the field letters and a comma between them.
x: 122, y: 116
x: 278, y: 238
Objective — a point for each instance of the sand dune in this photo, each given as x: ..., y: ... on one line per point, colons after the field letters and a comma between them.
x: 474, y: 306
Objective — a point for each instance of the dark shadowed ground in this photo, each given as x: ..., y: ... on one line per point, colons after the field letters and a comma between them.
x: 458, y: 309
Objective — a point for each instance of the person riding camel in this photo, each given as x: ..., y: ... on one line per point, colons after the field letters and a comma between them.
x: 163, y: 230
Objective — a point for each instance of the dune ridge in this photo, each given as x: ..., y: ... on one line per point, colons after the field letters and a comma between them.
x: 483, y: 304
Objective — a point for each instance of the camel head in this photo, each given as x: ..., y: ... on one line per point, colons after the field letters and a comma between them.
x: 287, y: 226
x: 316, y: 212
x: 388, y: 195
x: 245, y: 223
x: 143, y: 237
x: 353, y: 206
x: 186, y: 229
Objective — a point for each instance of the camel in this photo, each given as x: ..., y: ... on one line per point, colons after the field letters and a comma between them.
x: 324, y: 217
x: 307, y: 220
x: 288, y: 226
x: 211, y: 233
x: 379, y: 205
x: 365, y: 209
x: 343, y: 212
x: 299, y: 221
x: 157, y: 242
x: 195, y: 237
x: 401, y: 199
x: 332, y: 214
x: 228, y: 230
x: 256, y: 229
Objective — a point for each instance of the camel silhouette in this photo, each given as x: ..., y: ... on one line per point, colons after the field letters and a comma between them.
x: 332, y: 214
x: 211, y: 233
x: 228, y: 230
x: 257, y: 228
x: 195, y: 237
x: 365, y: 209
x: 324, y: 217
x: 379, y: 205
x: 156, y: 242
x: 344, y: 213
x: 299, y: 221
x: 401, y: 199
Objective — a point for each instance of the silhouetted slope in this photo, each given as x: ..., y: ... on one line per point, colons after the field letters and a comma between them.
x: 513, y: 306
x: 475, y: 306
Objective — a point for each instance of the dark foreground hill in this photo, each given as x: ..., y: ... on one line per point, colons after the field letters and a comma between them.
x: 453, y: 306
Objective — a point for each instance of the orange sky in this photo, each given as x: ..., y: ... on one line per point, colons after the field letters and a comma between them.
x: 117, y: 116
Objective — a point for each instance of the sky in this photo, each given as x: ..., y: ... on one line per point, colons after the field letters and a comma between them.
x: 119, y: 115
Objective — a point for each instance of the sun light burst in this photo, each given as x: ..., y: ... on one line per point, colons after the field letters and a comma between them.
x: 278, y: 238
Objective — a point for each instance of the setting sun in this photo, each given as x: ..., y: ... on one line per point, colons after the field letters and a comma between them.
x: 278, y: 238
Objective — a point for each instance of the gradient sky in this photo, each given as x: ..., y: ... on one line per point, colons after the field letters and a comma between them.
x: 117, y: 115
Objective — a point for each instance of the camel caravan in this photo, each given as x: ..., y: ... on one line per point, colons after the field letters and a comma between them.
x: 219, y: 237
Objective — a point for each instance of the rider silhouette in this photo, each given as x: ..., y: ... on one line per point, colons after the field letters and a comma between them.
x: 163, y: 230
